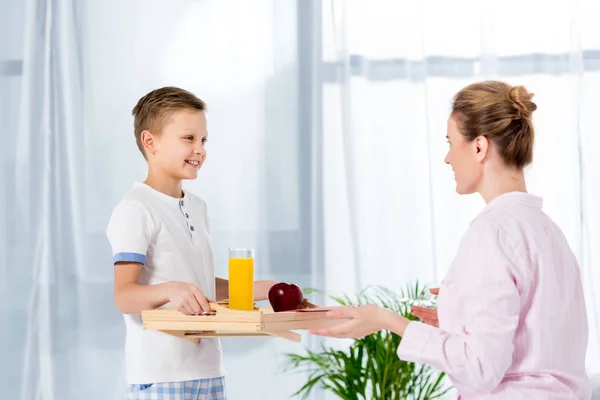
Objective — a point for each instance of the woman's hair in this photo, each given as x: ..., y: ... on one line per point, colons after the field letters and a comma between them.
x: 501, y: 113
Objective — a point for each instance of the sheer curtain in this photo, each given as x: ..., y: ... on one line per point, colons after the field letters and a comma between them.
x: 391, y: 68
x: 70, y: 155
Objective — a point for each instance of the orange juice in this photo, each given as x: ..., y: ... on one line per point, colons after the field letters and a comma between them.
x: 241, y: 283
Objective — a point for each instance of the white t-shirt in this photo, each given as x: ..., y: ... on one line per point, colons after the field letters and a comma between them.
x: 170, y: 237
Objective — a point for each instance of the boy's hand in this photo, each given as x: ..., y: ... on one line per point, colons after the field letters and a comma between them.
x: 186, y: 298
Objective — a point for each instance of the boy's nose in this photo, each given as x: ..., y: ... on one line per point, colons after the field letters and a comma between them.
x: 201, y: 150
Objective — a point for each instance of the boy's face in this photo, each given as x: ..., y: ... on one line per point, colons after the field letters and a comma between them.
x: 179, y: 150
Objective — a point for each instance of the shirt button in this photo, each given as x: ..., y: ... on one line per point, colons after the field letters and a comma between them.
x: 181, y: 202
x: 191, y: 228
x: 186, y: 215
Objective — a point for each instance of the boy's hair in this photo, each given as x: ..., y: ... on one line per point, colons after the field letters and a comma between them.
x: 152, y: 111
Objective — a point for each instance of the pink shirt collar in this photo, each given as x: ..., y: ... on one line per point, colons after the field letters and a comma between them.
x: 513, y: 198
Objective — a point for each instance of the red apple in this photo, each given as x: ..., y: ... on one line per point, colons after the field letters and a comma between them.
x: 285, y: 297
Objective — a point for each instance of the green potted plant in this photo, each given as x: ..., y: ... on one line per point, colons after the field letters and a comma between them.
x: 370, y: 368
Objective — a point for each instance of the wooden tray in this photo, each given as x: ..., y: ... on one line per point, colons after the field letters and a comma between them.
x: 225, y: 322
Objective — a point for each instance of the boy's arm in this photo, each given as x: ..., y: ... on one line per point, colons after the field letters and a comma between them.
x: 131, y: 297
x: 261, y: 289
x: 222, y: 289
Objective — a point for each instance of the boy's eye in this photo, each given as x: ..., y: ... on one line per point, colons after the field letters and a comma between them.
x: 189, y: 138
x: 204, y: 140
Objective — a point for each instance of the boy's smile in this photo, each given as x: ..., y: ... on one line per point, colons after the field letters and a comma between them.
x: 193, y: 163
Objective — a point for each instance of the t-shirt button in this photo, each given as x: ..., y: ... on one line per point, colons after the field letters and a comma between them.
x: 186, y: 215
x: 181, y: 202
x: 191, y: 228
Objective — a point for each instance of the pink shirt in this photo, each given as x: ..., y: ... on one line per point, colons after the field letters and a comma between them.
x: 511, y: 311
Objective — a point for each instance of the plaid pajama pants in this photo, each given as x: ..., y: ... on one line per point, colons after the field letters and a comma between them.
x: 199, y: 389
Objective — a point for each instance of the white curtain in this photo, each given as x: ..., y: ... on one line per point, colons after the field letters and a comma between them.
x: 80, y: 67
x: 391, y: 214
x: 326, y: 141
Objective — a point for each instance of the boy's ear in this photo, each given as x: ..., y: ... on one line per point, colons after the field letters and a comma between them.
x: 148, y: 142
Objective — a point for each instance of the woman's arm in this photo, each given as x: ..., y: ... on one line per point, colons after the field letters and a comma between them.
x: 480, y: 355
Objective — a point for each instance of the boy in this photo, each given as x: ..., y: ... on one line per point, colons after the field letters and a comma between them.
x: 159, y: 235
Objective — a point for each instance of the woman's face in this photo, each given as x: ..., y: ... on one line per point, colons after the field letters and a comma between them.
x: 465, y: 158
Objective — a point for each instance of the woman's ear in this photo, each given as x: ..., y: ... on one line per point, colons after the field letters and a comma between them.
x: 482, y: 147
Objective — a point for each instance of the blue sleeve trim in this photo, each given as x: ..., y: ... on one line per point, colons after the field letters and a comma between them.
x: 129, y: 257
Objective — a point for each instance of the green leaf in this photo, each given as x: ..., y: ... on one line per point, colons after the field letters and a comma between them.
x: 370, y: 368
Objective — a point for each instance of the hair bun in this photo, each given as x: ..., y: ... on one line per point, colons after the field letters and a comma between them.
x: 521, y: 101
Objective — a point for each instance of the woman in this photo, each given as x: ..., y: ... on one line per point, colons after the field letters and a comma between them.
x: 512, y: 319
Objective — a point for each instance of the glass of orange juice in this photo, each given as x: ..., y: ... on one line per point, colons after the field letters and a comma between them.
x: 241, y: 279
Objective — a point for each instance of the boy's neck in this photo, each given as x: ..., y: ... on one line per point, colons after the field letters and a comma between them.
x: 170, y: 187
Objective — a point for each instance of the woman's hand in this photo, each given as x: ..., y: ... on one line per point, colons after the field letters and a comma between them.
x: 362, y: 321
x: 427, y: 315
